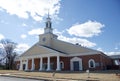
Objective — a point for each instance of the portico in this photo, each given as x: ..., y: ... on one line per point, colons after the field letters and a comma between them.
x: 41, y: 68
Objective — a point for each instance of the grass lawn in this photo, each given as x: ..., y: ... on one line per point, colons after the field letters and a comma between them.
x: 94, y: 76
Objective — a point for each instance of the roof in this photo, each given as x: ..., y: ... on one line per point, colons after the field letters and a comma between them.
x: 59, y: 47
x: 69, y: 48
x: 39, y: 49
x: 115, y: 56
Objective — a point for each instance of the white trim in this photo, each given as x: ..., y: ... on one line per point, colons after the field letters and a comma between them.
x: 81, y: 54
x: 58, y: 64
x: 33, y: 65
x: 42, y: 55
x: 26, y: 66
x: 76, y: 59
x: 21, y: 65
x: 58, y: 54
x: 91, y: 60
x: 23, y: 61
x: 48, y: 63
x: 41, y: 64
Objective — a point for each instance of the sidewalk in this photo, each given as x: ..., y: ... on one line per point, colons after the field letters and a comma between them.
x: 47, y: 76
x: 41, y: 78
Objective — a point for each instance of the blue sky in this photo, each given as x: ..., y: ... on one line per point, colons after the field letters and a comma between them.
x: 92, y: 23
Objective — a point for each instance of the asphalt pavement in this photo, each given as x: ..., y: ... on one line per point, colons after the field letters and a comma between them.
x: 16, y: 79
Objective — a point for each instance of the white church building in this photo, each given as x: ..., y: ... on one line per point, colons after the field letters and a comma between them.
x: 51, y: 54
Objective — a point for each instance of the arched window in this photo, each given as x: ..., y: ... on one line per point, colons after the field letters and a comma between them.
x: 62, y: 65
x: 91, y: 63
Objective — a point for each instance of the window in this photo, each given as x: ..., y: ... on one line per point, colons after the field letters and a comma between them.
x: 62, y: 65
x: 44, y: 39
x: 117, y: 62
x: 91, y: 63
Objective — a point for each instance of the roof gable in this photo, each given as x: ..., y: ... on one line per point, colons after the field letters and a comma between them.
x: 38, y: 49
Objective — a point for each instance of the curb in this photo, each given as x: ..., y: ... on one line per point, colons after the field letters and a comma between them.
x: 35, y: 78
x: 24, y: 77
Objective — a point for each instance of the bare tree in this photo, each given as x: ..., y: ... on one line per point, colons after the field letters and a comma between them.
x: 8, y: 53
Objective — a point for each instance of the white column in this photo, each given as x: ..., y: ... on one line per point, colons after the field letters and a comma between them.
x: 58, y: 63
x: 48, y: 64
x: 41, y: 64
x: 21, y: 65
x: 26, y: 67
x: 32, y: 68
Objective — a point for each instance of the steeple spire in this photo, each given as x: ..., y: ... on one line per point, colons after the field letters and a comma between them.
x: 48, y: 28
x: 48, y: 21
x: 48, y: 15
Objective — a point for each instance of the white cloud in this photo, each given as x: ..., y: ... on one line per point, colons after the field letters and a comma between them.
x: 37, y: 31
x: 22, y: 47
x: 1, y: 36
x: 30, y: 8
x: 1, y: 45
x: 117, y: 46
x: 1, y: 9
x: 23, y: 36
x: 75, y: 40
x: 100, y: 49
x: 58, y: 32
x: 112, y: 53
x: 87, y: 29
x: 3, y: 22
x: 24, y: 25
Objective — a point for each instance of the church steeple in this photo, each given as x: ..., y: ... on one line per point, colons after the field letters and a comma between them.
x: 48, y: 28
x: 46, y: 38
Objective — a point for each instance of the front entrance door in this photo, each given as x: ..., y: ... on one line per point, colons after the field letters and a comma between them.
x: 24, y: 65
x: 76, y: 65
x: 44, y: 66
